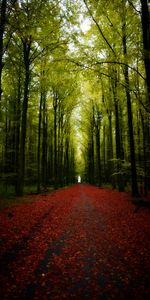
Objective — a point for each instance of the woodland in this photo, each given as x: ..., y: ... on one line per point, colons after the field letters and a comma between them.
x: 74, y: 94
x: 75, y: 108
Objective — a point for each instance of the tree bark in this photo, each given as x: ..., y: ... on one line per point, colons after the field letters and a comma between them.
x: 17, y: 126
x: 135, y: 192
x: 145, y: 18
x: 60, y: 145
x: 110, y: 154
x: 104, y: 153
x: 44, y: 144
x: 2, y: 29
x: 39, y: 144
x: 98, y: 154
x: 91, y: 165
x: 67, y: 164
x: 117, y: 136
x: 97, y: 124
x: 145, y: 155
x: 26, y: 52
x: 55, y: 105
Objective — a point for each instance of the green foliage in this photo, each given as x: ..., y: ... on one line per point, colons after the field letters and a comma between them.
x: 76, y: 84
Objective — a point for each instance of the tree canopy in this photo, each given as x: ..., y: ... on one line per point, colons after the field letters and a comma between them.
x: 74, y: 94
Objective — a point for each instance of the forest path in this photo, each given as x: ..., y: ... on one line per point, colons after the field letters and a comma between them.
x: 76, y: 243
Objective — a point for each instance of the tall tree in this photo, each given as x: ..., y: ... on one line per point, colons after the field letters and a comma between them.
x: 129, y: 108
x: 31, y: 34
x: 145, y: 17
x: 2, y: 30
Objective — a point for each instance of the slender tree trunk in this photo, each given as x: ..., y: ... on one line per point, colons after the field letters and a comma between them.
x: 117, y: 137
x: 51, y: 153
x: 110, y: 154
x: 118, y: 148
x: 146, y: 41
x: 91, y: 149
x: 97, y: 123
x: 129, y: 108
x: 6, y: 153
x: 44, y: 144
x: 21, y: 172
x: 59, y: 145
x: 55, y: 105
x: 98, y: 154
x: 2, y: 29
x: 67, y: 161
x: 110, y: 137
x: 145, y: 155
x: 39, y: 144
x: 117, y: 133
x: 121, y: 126
x: 61, y: 150
x: 104, y: 153
x: 72, y: 165
x: 131, y: 137
x: 17, y: 126
x: 91, y: 159
x: 130, y: 125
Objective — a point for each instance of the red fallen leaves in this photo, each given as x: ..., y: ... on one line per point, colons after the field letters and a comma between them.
x: 80, y: 243
x: 36, y: 245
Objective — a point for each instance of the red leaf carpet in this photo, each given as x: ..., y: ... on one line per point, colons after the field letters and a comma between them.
x: 76, y: 243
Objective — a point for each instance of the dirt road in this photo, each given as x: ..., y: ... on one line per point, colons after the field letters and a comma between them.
x: 76, y: 243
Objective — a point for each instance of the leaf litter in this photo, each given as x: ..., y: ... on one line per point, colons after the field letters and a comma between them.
x: 77, y: 243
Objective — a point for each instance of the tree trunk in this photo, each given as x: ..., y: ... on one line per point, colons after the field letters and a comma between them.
x: 110, y: 155
x: 55, y: 104
x: 131, y: 137
x: 6, y: 153
x: 129, y: 108
x: 44, y: 144
x: 21, y: 172
x: 91, y: 157
x: 104, y: 153
x: 130, y: 119
x: 145, y: 17
x: 98, y: 154
x: 118, y: 147
x: 51, y: 156
x: 145, y: 155
x: 17, y: 127
x: 59, y: 145
x: 117, y: 133
x: 60, y: 156
x: 39, y: 144
x: 67, y: 169
x: 97, y: 123
x: 2, y: 29
x: 91, y: 150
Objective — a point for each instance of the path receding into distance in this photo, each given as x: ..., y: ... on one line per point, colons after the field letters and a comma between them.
x: 80, y: 242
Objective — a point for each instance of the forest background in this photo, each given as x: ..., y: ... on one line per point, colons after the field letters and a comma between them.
x: 74, y: 94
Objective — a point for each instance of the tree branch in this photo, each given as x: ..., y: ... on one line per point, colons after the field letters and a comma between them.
x: 121, y: 63
x: 99, y: 28
x: 109, y: 76
x: 130, y: 2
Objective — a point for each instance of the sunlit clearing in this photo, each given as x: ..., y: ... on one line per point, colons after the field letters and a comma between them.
x: 79, y: 179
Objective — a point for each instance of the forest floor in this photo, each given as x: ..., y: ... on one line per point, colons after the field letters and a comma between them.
x: 81, y: 242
